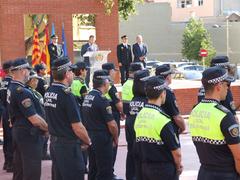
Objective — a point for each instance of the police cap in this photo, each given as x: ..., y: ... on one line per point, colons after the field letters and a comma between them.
x: 221, y: 61
x: 154, y: 87
x: 81, y: 65
x: 20, y: 63
x: 32, y: 75
x: 108, y: 66
x: 124, y: 36
x: 39, y: 67
x: 141, y: 75
x: 7, y: 65
x: 163, y: 70
x: 214, y: 75
x: 101, y: 75
x: 62, y: 63
x: 54, y: 36
x: 135, y: 66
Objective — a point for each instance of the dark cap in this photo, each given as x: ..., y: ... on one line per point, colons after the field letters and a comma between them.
x: 124, y: 36
x: 108, y: 66
x: 54, y: 36
x: 136, y: 66
x: 20, y: 63
x: 141, y: 75
x: 155, y: 83
x: 81, y: 65
x: 221, y: 61
x: 214, y: 75
x: 7, y: 65
x: 163, y: 70
x: 62, y: 63
x: 39, y: 67
x: 32, y: 75
x: 101, y: 75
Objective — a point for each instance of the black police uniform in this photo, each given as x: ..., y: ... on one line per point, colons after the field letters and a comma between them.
x: 156, y: 159
x: 61, y: 111
x: 97, y: 112
x: 227, y: 103
x: 27, y: 139
x: 170, y: 107
x: 7, y: 130
x: 135, y: 106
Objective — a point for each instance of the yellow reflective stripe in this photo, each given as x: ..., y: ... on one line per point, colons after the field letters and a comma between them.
x: 76, y: 87
x: 127, y: 93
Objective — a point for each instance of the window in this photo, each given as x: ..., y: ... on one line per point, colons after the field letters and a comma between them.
x: 200, y: 2
x: 184, y: 3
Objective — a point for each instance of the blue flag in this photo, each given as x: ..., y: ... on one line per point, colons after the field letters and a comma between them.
x: 64, y: 42
x: 53, y: 31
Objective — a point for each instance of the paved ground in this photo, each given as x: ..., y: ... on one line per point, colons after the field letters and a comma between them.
x: 190, y: 161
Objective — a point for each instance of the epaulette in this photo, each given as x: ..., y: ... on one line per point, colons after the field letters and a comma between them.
x: 67, y: 90
x: 222, y: 108
x: 19, y: 89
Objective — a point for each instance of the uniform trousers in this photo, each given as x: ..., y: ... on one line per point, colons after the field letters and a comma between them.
x: 27, y: 145
x: 124, y: 73
x: 206, y: 174
x: 159, y: 171
x: 67, y: 159
x: 100, y: 156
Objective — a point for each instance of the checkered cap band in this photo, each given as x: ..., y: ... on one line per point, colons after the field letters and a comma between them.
x: 166, y: 72
x: 222, y: 64
x: 22, y: 66
x: 208, y: 141
x: 102, y: 77
x: 149, y: 140
x: 59, y: 68
x: 218, y: 79
x: 161, y: 87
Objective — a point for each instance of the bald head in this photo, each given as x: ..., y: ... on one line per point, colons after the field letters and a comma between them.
x: 139, y: 39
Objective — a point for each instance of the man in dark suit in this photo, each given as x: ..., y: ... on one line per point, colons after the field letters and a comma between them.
x: 90, y: 46
x: 55, y: 49
x: 140, y: 51
x: 124, y: 55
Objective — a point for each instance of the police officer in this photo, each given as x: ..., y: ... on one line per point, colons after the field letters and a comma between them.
x: 115, y: 102
x: 136, y: 104
x: 40, y: 69
x: 79, y: 87
x: 223, y: 62
x: 80, y: 90
x: 32, y: 84
x: 7, y: 132
x: 67, y: 133
x: 170, y: 106
x: 214, y: 131
x: 156, y: 140
x: 28, y: 125
x: 127, y: 93
x: 101, y: 126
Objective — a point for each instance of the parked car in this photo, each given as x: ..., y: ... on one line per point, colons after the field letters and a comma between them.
x: 191, y: 72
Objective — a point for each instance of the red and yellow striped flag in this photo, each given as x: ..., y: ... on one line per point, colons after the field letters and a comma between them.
x: 36, y: 54
x: 45, y: 57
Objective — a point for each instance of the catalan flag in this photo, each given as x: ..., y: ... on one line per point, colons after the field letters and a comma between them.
x: 36, y: 55
x: 45, y: 57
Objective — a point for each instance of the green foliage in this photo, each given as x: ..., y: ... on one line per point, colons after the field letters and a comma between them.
x: 125, y: 7
x: 196, y: 37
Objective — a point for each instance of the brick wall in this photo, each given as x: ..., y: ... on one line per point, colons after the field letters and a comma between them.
x: 187, y: 98
x: 12, y: 25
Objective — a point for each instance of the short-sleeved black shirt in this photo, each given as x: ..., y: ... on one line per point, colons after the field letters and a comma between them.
x: 61, y: 111
x: 152, y: 152
x: 21, y: 104
x: 97, y: 111
x: 228, y: 102
x: 219, y: 156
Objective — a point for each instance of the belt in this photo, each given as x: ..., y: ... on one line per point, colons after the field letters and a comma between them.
x: 64, y: 140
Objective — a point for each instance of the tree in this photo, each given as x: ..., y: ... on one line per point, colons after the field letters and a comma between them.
x: 125, y: 7
x: 196, y: 37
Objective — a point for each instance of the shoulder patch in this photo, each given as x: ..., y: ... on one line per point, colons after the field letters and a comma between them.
x: 234, y: 130
x: 19, y: 89
x: 27, y: 103
x: 109, y: 109
x: 222, y: 108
